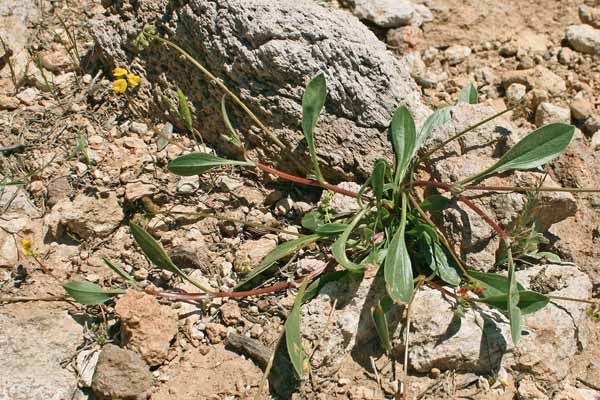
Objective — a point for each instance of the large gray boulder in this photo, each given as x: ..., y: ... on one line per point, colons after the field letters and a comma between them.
x: 266, y: 51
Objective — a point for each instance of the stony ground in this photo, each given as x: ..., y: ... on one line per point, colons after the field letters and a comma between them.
x: 77, y: 164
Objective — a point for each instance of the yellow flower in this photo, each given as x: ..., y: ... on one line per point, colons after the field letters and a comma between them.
x: 119, y: 72
x: 26, y: 247
x: 120, y: 86
x: 133, y: 79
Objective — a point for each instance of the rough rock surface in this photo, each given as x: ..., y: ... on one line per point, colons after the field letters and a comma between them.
x: 477, y: 150
x: 284, y: 44
x: 550, y: 336
x: 121, y: 374
x: 88, y: 216
x: 250, y: 253
x: 34, y: 346
x: 584, y: 38
x: 146, y: 327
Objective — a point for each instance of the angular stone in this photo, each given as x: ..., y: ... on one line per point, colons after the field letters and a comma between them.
x: 146, y: 326
x: 547, y: 113
x: 590, y: 15
x: 136, y: 190
x: 385, y: 13
x: 89, y: 216
x: 121, y: 374
x: 457, y: 54
x: 286, y: 43
x: 250, y: 253
x: 584, y: 38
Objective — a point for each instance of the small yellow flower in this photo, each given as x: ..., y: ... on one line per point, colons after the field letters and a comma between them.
x: 119, y: 72
x: 26, y: 247
x: 120, y: 86
x: 134, y: 79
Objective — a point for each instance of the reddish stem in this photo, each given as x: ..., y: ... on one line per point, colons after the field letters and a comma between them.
x: 305, y: 181
x: 468, y: 203
x: 441, y: 289
x: 247, y: 293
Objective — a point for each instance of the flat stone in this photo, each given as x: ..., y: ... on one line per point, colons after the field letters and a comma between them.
x: 8, y: 102
x: 35, y: 342
x: 457, y: 54
x: 28, y: 96
x: 89, y: 216
x: 250, y: 253
x: 590, y: 15
x: 136, y: 190
x: 121, y: 374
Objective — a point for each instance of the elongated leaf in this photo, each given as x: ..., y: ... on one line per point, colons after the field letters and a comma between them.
x: 331, y: 229
x: 443, y: 265
x: 435, y: 203
x: 404, y: 136
x: 381, y: 326
x: 157, y: 255
x: 279, y: 252
x: 89, y: 293
x: 120, y: 271
x: 529, y: 301
x: 339, y: 247
x: 233, y: 136
x: 312, y: 104
x: 535, y: 149
x: 468, y: 94
x: 197, y: 163
x: 398, y: 268
x: 184, y: 109
x: 495, y: 285
x: 378, y: 178
x: 293, y: 339
x: 438, y: 118
x: 514, y: 313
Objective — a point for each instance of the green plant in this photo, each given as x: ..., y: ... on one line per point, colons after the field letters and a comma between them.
x: 391, y: 234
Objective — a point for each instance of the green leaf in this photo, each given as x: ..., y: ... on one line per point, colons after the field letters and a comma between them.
x: 120, y: 271
x: 339, y: 247
x: 435, y: 203
x: 495, y: 285
x: 89, y: 293
x: 381, y: 326
x: 313, y: 101
x: 293, y: 339
x: 312, y: 220
x: 529, y: 301
x: 437, y: 119
x: 197, y: 163
x: 468, y: 94
x: 378, y: 178
x: 398, y: 268
x: 157, y: 255
x: 514, y: 313
x: 279, y: 252
x: 404, y: 136
x: 233, y: 137
x: 443, y: 265
x: 535, y: 149
x: 184, y: 109
x: 331, y: 229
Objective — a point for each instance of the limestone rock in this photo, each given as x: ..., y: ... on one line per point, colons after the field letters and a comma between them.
x: 590, y: 15
x: 34, y: 343
x: 146, y: 326
x: 385, y: 13
x: 539, y: 77
x: 286, y: 44
x: 547, y: 113
x: 121, y: 374
x: 88, y: 216
x: 250, y: 253
x: 584, y: 38
x: 481, y: 341
x: 136, y: 190
x: 457, y: 54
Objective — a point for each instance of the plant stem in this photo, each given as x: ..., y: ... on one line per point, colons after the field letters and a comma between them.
x: 305, y: 181
x: 27, y: 298
x: 468, y: 203
x: 531, y: 189
x: 464, y: 131
x: 572, y: 299
x: 406, y: 337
